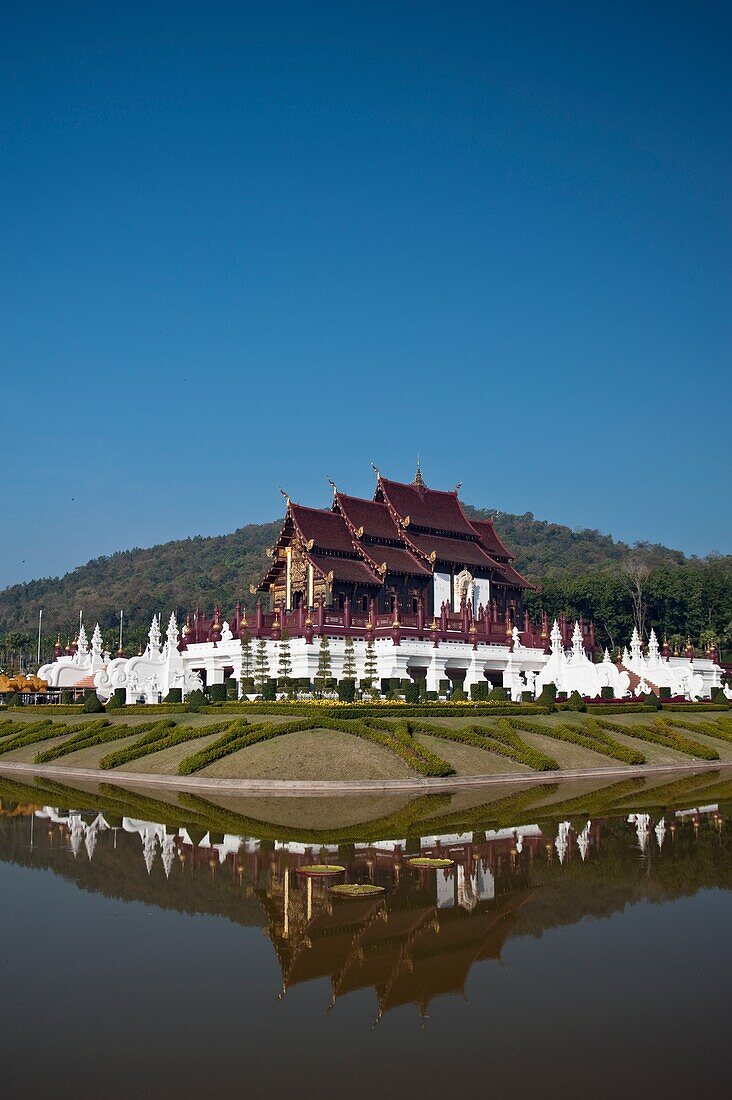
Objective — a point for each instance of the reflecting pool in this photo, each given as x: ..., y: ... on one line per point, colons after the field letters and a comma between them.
x: 573, y: 944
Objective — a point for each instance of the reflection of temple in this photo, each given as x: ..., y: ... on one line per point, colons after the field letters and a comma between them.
x: 411, y: 945
x: 422, y: 936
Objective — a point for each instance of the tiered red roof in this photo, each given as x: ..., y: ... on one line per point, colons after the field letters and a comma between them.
x: 408, y: 529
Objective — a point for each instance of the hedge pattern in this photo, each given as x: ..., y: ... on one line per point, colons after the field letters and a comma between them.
x: 666, y: 738
x: 89, y: 735
x: 500, y: 739
x: 163, y: 735
x: 590, y: 736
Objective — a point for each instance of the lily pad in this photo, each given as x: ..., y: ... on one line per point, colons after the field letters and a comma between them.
x: 321, y: 869
x: 356, y: 890
x: 429, y: 863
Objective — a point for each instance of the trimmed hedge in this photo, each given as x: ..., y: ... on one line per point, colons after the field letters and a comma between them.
x: 163, y: 735
x: 239, y: 735
x: 656, y: 735
x: 89, y: 735
x: 499, y: 739
x: 589, y: 736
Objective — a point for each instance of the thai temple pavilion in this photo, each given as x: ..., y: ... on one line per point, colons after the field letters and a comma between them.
x: 410, y: 550
x: 403, y: 587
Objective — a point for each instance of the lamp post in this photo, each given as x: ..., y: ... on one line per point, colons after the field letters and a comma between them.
x: 40, y: 621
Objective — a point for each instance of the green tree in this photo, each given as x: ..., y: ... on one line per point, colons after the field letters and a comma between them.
x: 371, y: 665
x: 324, y: 671
x: 247, y: 656
x: 261, y: 666
x: 349, y: 660
x: 284, y: 662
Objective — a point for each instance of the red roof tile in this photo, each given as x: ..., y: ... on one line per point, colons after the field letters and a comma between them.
x: 345, y: 569
x: 430, y: 508
x: 328, y: 530
x: 490, y: 538
x: 457, y: 551
x: 372, y: 515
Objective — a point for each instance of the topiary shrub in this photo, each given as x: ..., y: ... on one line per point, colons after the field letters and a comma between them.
x: 232, y: 688
x: 499, y: 695
x: 175, y: 695
x: 247, y: 685
x: 548, y: 695
x: 459, y: 696
x: 411, y: 692
x: 607, y: 692
x: 217, y: 693
x: 346, y: 690
x: 431, y: 696
x: 269, y: 692
x: 92, y: 704
x: 114, y: 702
x: 664, y: 693
x: 480, y: 691
x: 651, y: 700
x: 195, y: 700
x: 719, y: 698
x: 575, y: 702
x: 67, y: 698
x: 443, y: 687
x: 527, y: 697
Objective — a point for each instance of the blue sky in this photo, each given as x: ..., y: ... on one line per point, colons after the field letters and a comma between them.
x: 251, y: 245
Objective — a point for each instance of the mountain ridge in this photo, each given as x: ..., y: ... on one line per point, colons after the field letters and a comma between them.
x: 182, y: 573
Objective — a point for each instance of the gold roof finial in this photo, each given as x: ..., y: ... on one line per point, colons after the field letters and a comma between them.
x: 418, y: 479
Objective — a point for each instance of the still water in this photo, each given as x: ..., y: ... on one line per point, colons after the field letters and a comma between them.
x: 577, y: 945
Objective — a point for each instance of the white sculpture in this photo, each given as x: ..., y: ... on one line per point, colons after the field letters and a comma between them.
x: 226, y: 634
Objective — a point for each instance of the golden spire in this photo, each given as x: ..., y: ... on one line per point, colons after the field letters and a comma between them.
x: 418, y: 479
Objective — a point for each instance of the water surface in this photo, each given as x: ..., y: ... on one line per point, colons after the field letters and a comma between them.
x: 151, y: 947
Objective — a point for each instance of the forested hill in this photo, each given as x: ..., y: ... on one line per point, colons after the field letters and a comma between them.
x: 575, y: 569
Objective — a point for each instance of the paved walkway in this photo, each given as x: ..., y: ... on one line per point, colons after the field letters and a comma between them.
x: 299, y: 787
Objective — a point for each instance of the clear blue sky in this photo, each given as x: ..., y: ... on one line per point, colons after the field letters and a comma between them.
x: 249, y: 245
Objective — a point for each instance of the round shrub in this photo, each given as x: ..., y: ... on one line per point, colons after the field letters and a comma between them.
x: 175, y: 695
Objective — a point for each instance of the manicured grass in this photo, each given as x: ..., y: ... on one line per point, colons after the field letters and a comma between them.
x: 311, y: 754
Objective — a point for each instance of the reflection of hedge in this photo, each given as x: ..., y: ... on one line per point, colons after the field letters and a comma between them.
x: 589, y: 736
x: 496, y: 814
x: 396, y: 824
x: 667, y: 739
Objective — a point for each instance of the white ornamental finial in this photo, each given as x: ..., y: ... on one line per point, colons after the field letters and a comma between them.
x: 653, y: 650
x: 172, y: 634
x: 154, y: 635
x: 556, y: 638
x: 149, y: 845
x: 82, y: 646
x: 97, y: 644
x: 562, y: 841
x: 577, y: 645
